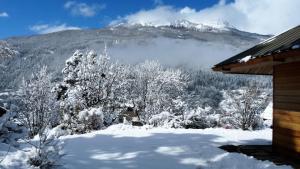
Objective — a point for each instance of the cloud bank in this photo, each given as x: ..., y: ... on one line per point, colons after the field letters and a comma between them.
x: 46, y: 28
x: 83, y: 9
x: 263, y: 16
x: 3, y: 14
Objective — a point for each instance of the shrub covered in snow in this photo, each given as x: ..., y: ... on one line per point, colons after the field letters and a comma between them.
x: 161, y: 119
x: 200, y: 118
x: 242, y: 108
x: 46, y: 152
x: 91, y: 119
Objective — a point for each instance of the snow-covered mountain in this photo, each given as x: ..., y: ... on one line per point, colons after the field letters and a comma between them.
x: 6, y: 51
x: 183, y: 24
x: 180, y: 43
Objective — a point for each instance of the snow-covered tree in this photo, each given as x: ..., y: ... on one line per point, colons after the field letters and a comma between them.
x: 79, y: 74
x: 76, y: 92
x: 245, y: 107
x: 155, y: 89
x: 91, y: 81
x: 38, y: 113
x: 37, y: 103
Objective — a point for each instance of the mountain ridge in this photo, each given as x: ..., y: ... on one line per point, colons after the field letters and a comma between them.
x: 170, y: 45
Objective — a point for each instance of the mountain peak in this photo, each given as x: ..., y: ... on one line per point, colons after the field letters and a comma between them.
x: 183, y: 23
x: 212, y: 26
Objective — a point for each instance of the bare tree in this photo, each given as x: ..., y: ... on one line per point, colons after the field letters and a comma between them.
x: 38, y: 113
x: 37, y: 103
x: 248, y: 103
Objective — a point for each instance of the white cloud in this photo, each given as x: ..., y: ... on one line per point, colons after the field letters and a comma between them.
x: 46, y: 28
x: 83, y: 9
x: 3, y: 14
x: 263, y: 16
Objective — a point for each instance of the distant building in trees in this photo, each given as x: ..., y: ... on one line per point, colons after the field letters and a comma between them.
x: 130, y: 115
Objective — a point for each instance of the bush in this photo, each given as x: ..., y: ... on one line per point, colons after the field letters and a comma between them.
x: 161, y: 119
x: 91, y: 119
x: 46, y: 152
x: 200, y: 118
x: 242, y: 108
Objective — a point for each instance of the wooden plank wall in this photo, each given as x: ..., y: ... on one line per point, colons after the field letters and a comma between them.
x: 286, y: 113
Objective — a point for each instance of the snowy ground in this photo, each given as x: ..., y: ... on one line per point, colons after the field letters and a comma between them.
x: 141, y: 148
x: 120, y: 147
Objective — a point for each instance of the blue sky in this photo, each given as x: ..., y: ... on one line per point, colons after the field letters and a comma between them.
x: 24, y: 14
x: 27, y: 17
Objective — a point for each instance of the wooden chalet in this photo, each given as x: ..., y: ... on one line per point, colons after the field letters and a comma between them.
x: 278, y: 56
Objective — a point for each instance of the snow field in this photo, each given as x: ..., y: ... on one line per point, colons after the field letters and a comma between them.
x: 122, y: 146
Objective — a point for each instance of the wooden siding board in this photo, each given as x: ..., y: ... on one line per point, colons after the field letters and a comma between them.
x: 286, y: 107
x: 284, y: 79
x: 288, y: 117
x: 284, y: 112
x: 287, y: 99
x: 282, y: 92
x: 294, y: 126
x: 289, y: 132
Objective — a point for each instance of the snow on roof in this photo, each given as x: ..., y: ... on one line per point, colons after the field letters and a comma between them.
x: 245, y: 59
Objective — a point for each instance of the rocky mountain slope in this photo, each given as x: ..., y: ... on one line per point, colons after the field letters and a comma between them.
x: 181, y: 43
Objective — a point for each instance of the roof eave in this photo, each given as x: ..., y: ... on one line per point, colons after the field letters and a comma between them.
x: 261, y: 65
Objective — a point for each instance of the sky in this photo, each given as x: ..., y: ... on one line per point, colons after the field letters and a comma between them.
x: 28, y: 17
